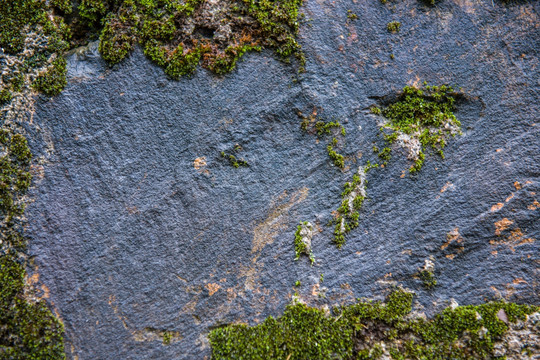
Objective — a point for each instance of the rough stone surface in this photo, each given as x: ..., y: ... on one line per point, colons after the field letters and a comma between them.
x: 139, y: 228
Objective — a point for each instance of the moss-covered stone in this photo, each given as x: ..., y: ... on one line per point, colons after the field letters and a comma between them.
x: 28, y: 330
x: 180, y: 36
x: 420, y: 119
x: 367, y: 330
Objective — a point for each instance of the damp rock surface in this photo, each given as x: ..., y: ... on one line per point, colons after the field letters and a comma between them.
x: 145, y: 238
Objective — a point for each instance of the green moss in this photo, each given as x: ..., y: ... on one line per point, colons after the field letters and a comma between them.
x: 351, y: 15
x: 300, y: 333
x: 352, y: 198
x: 309, y: 333
x: 157, y: 26
x: 426, y: 115
x: 393, y: 26
x: 15, y: 15
x: 5, y: 96
x: 323, y: 128
x: 29, y: 330
x: 428, y: 278
x: 53, y: 81
x: 167, y: 337
x: 233, y: 160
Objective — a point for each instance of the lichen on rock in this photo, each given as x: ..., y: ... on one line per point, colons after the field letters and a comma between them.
x: 302, y: 240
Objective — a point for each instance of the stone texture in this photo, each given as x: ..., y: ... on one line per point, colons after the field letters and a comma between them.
x: 133, y: 235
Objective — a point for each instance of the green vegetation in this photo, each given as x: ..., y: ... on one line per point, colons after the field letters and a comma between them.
x: 53, y: 81
x: 167, y: 337
x: 353, y: 196
x: 28, y: 330
x: 393, y: 26
x: 428, y: 278
x: 218, y: 41
x: 351, y: 15
x: 297, y: 283
x: 359, y: 331
x: 424, y: 116
x: 302, y: 241
x: 322, y: 128
x: 20, y: 17
x: 233, y: 160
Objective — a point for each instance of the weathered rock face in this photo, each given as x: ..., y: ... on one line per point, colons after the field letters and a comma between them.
x: 142, y: 232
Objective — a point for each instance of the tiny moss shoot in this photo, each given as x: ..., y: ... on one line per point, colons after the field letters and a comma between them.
x: 363, y: 330
x: 420, y: 119
x: 393, y: 26
x: 232, y: 158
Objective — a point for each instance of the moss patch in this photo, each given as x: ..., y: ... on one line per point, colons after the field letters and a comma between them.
x: 179, y: 36
x: 420, y: 119
x: 28, y: 330
x: 367, y: 330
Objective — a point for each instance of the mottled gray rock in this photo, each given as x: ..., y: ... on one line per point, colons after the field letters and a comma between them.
x: 138, y: 227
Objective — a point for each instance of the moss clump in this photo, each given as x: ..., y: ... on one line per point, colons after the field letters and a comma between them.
x: 393, y: 26
x: 14, y: 174
x: 20, y: 17
x: 359, y: 331
x: 29, y: 330
x: 53, y: 81
x: 180, y: 36
x: 167, y: 337
x: 5, y: 96
x: 422, y: 118
x: 300, y: 333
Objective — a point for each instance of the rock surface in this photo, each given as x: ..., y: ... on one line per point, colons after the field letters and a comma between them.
x: 140, y: 229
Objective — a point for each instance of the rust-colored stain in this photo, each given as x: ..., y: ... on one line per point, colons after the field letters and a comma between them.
x: 519, y: 281
x: 146, y: 334
x: 446, y: 186
x: 514, y: 239
x: 535, y: 205
x: 199, y: 163
x: 509, y: 197
x: 451, y: 237
x: 265, y: 232
x: 517, y: 185
x: 231, y: 295
x: 117, y: 312
x: 497, y: 207
x: 212, y: 288
x: 37, y: 171
x: 502, y: 225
